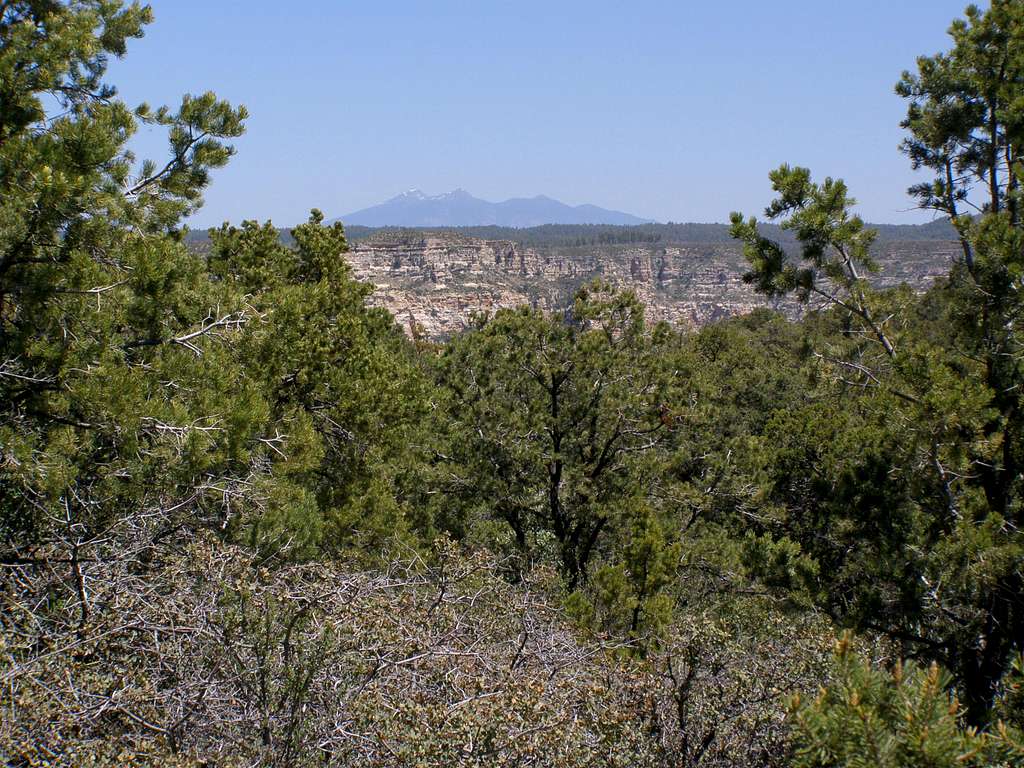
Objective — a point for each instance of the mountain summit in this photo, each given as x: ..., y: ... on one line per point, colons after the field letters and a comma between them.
x: 460, y: 209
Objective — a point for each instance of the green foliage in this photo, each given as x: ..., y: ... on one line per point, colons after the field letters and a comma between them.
x: 117, y: 393
x: 782, y: 565
x: 899, y: 480
x: 628, y: 594
x: 147, y: 391
x: 965, y: 114
x: 834, y: 246
x: 551, y: 423
x: 337, y: 375
x: 1010, y: 703
x: 191, y: 445
x: 905, y: 718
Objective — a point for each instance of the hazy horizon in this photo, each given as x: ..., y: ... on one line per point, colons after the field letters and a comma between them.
x: 668, y: 111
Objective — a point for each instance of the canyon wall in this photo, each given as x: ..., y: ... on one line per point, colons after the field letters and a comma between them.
x: 433, y: 284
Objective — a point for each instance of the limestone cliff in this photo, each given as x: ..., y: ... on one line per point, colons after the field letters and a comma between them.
x: 433, y: 283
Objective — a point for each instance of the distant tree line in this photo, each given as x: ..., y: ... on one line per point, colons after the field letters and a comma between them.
x: 583, y: 235
x: 599, y: 234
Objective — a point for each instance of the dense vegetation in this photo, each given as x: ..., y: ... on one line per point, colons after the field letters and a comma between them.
x: 245, y: 521
x: 579, y: 235
x: 605, y: 234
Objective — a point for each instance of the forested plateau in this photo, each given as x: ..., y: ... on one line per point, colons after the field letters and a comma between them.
x: 579, y: 497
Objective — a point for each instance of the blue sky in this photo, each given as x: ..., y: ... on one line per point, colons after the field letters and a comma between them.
x: 670, y: 110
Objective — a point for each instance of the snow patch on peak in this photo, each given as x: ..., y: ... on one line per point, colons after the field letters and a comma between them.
x: 455, y: 194
x: 418, y: 194
x: 412, y: 194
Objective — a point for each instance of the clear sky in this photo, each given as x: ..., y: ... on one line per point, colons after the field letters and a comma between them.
x: 673, y: 110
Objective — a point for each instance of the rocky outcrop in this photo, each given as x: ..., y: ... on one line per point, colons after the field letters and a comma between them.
x: 434, y: 284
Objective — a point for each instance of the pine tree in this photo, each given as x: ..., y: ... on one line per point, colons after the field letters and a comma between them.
x: 903, y: 718
x: 114, y: 389
x: 552, y: 422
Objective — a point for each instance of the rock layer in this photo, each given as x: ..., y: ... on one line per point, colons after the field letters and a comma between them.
x: 434, y: 284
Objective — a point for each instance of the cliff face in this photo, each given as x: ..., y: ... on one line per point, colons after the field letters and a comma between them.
x: 434, y: 284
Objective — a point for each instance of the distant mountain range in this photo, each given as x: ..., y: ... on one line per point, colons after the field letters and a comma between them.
x: 461, y: 209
